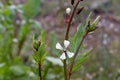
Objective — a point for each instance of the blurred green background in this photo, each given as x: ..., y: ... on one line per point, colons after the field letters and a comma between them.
x: 20, y: 19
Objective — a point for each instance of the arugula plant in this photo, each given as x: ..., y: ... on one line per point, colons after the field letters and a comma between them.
x: 71, y: 60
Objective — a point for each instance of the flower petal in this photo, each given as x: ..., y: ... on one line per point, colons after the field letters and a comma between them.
x: 70, y: 54
x: 66, y: 43
x: 58, y: 46
x: 63, y: 56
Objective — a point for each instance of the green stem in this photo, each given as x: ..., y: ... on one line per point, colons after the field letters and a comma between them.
x: 65, y: 69
x: 76, y: 53
x: 21, y: 42
x: 71, y: 18
x: 66, y: 38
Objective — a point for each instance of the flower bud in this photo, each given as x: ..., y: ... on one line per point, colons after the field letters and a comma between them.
x: 68, y: 10
x: 91, y: 26
x: 95, y: 22
x: 36, y: 45
x: 80, y: 10
x: 72, y: 2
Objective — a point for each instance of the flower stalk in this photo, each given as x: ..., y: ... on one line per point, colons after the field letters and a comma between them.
x: 65, y: 54
x: 76, y: 53
x: 66, y: 71
x: 71, y: 18
x: 40, y: 70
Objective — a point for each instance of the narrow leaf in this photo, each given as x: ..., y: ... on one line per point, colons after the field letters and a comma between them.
x: 77, y: 38
x: 81, y: 58
x: 42, y: 36
x: 31, y: 8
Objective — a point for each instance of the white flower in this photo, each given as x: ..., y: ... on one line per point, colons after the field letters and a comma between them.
x: 64, y: 50
x: 15, y: 40
x: 68, y: 10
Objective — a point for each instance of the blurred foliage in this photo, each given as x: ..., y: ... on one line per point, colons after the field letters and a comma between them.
x: 14, y: 30
x: 40, y: 49
x: 31, y: 8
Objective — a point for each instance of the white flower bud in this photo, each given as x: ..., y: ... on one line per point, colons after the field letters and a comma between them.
x: 68, y: 10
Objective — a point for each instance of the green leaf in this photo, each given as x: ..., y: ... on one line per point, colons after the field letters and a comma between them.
x: 81, y: 58
x: 36, y: 25
x: 17, y: 70
x: 2, y: 29
x: 95, y: 22
x: 52, y: 42
x: 77, y: 38
x: 91, y: 27
x: 55, y: 61
x: 46, y: 69
x: 6, y: 11
x: 3, y: 68
x: 33, y: 39
x: 88, y: 18
x: 42, y: 36
x: 87, y: 25
x: 31, y: 8
x: 23, y: 32
x: 40, y: 55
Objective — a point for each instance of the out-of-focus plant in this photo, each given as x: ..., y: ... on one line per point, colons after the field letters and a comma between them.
x: 71, y: 60
x: 15, y: 25
x: 39, y: 53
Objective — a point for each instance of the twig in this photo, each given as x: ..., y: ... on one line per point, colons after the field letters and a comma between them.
x: 76, y: 53
x: 40, y: 70
x: 69, y: 24
x: 65, y: 69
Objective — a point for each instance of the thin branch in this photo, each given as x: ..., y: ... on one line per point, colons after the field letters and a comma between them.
x: 69, y: 24
x: 40, y: 70
x: 76, y: 53
x: 65, y: 69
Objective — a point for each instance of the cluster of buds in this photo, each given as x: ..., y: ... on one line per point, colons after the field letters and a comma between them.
x: 91, y: 26
x: 68, y: 11
x: 36, y: 44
